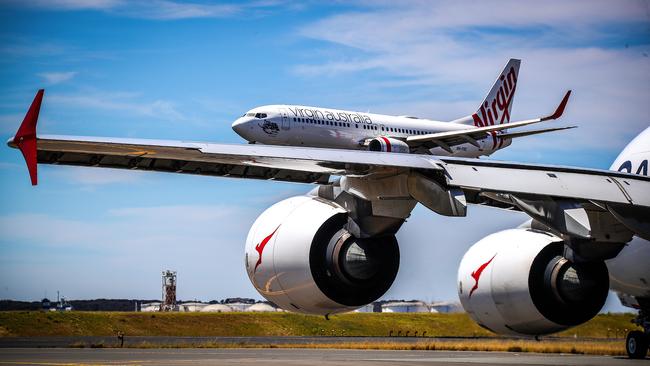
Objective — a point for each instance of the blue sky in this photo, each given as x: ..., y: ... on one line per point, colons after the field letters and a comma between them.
x: 176, y: 70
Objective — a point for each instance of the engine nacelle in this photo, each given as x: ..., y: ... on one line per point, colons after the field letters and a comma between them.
x: 300, y: 256
x: 517, y: 282
x: 388, y: 144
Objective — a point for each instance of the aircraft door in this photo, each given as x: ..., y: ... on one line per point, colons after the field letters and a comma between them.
x: 286, y: 121
x: 383, y: 130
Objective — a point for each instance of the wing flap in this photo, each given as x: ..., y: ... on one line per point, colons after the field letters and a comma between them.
x: 543, y: 181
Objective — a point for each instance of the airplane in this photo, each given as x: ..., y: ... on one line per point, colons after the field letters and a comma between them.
x: 481, y: 133
x: 334, y: 249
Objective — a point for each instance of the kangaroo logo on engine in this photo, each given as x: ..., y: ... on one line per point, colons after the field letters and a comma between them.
x: 476, y: 275
x: 260, y: 248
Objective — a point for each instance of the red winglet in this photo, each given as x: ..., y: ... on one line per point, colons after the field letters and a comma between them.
x: 25, y: 138
x: 560, y: 109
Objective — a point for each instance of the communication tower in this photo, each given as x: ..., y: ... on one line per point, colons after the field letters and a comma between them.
x: 168, y: 291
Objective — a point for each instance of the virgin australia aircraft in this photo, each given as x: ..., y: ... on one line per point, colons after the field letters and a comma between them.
x: 334, y: 249
x: 481, y: 133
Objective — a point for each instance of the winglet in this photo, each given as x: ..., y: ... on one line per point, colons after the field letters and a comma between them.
x: 560, y: 108
x: 25, y: 138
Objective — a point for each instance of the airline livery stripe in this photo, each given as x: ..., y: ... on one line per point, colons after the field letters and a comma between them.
x: 387, y: 143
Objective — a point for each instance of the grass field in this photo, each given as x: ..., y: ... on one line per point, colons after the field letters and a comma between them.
x: 586, y: 347
x: 25, y: 324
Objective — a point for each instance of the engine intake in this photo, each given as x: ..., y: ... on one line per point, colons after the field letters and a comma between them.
x: 300, y: 256
x: 517, y: 282
x: 388, y: 144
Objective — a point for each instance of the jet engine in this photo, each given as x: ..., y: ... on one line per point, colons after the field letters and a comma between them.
x: 517, y: 282
x: 388, y: 144
x: 300, y: 256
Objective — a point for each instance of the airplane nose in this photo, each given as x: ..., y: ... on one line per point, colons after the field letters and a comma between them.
x: 239, y: 126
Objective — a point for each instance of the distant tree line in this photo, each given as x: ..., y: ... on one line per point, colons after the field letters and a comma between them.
x: 82, y: 305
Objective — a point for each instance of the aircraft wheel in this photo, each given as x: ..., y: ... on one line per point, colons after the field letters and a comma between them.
x: 636, y: 344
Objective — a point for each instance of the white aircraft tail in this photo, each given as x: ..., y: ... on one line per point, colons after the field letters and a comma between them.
x: 495, y: 108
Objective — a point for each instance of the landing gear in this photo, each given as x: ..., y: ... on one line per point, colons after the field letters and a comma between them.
x: 637, y: 342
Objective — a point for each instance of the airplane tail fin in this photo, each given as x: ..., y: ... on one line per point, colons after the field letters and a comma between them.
x: 495, y: 108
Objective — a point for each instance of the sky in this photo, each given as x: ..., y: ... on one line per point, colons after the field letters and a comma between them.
x: 186, y: 70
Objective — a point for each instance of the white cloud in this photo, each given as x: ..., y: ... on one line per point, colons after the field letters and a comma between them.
x: 57, y: 77
x: 125, y: 102
x: 159, y: 9
x: 458, y: 47
x: 121, y: 253
x: 91, y: 177
x: 69, y: 4
x: 9, y: 123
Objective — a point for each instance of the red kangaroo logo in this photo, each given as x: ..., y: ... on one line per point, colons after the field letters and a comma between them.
x: 497, y: 110
x: 477, y: 274
x: 260, y: 248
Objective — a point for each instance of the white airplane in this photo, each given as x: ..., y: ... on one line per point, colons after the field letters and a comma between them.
x: 481, y: 133
x: 334, y: 249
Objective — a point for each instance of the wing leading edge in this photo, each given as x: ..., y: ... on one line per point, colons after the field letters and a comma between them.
x: 477, y: 178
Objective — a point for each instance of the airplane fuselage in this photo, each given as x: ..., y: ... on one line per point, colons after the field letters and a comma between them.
x: 293, y: 125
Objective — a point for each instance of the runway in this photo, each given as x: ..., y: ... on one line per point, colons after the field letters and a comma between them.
x: 311, y: 357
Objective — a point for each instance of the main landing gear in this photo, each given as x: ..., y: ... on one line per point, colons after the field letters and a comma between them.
x: 637, y: 342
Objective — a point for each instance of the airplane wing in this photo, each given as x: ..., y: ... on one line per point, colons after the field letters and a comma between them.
x: 489, y: 178
x: 494, y: 183
x: 292, y: 164
x: 447, y: 139
x: 306, y: 165
x: 590, y: 204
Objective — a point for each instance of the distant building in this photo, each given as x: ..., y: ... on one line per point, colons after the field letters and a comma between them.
x: 446, y: 307
x: 261, y: 307
x: 150, y: 307
x: 216, y: 308
x: 405, y: 307
x: 191, y: 306
x: 62, y: 305
x: 370, y: 308
x: 239, y: 306
x: 45, y: 304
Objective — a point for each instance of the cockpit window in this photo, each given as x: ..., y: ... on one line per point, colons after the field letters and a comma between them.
x: 260, y: 115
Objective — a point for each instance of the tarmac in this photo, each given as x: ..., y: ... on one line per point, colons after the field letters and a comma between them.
x: 311, y: 357
x: 174, y: 341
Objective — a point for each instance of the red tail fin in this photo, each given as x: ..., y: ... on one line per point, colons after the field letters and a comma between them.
x: 25, y: 138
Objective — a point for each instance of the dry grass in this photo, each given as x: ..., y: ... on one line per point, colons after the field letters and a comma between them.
x: 75, y: 323
x: 611, y: 348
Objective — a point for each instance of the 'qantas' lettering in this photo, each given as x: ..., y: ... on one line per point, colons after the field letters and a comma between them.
x: 641, y: 170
